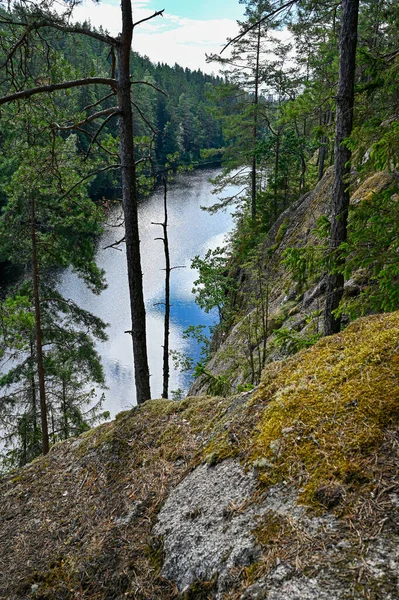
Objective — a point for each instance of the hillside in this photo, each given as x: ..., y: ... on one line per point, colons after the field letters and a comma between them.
x: 289, y: 491
x: 290, y: 303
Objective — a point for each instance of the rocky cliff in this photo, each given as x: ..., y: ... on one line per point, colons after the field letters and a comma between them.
x: 268, y: 293
x: 290, y: 491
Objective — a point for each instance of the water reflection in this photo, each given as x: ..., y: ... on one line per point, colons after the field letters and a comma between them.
x: 191, y: 231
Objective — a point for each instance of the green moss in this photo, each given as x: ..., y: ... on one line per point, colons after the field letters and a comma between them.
x: 329, y: 407
x: 272, y: 529
x: 200, y: 590
x: 154, y: 553
x: 281, y: 231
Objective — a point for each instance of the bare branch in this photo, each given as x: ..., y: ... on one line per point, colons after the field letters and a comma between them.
x: 17, y: 45
x: 114, y: 244
x: 110, y: 112
x: 146, y: 121
x: 89, y: 106
x: 150, y: 85
x: 94, y: 138
x: 65, y: 85
x: 96, y: 172
x: 254, y: 25
x: 156, y: 14
x: 107, y: 39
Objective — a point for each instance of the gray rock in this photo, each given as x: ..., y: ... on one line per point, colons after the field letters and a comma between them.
x: 206, y: 526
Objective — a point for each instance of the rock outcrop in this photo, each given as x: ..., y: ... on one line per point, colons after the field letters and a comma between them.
x: 290, y: 307
x: 290, y: 491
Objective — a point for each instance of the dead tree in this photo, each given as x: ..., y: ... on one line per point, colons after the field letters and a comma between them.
x: 168, y: 270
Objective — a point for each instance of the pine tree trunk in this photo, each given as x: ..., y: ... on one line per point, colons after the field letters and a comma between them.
x: 167, y: 299
x: 255, y: 127
x: 129, y: 195
x: 340, y: 194
x: 38, y: 327
x: 276, y: 165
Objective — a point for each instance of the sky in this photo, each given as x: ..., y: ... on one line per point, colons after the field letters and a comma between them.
x: 187, y: 30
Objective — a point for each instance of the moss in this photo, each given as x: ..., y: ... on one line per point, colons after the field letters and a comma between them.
x: 281, y: 232
x: 272, y: 529
x: 219, y: 449
x: 372, y: 185
x: 331, y: 406
x: 154, y: 552
x: 200, y: 590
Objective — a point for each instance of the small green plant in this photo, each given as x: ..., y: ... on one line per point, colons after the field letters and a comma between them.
x: 290, y: 341
x: 214, y: 287
x: 177, y: 394
x: 305, y: 265
x: 217, y: 385
x: 247, y: 387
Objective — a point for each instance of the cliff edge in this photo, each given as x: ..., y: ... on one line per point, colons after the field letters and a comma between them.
x: 285, y: 492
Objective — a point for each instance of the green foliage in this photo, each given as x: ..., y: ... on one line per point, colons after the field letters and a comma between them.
x: 71, y: 366
x: 290, y: 341
x: 305, y: 264
x: 373, y: 247
x: 214, y: 287
x: 216, y: 385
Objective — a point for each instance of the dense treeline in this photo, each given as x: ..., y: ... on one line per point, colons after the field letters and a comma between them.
x: 62, y: 157
x: 282, y: 108
x: 172, y: 107
x: 288, y: 104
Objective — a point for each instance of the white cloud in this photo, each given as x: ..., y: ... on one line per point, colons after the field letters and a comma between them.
x: 170, y: 39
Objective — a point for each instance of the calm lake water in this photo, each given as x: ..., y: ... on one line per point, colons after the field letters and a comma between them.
x: 191, y: 231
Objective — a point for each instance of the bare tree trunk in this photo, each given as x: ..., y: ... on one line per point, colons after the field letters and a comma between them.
x: 340, y: 195
x: 167, y: 298
x: 38, y: 327
x: 276, y: 165
x: 129, y: 195
x: 255, y: 127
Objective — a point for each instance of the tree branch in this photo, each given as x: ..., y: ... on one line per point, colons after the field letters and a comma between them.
x: 150, y: 85
x: 271, y: 14
x: 16, y: 46
x: 89, y: 106
x: 94, y: 138
x: 96, y: 172
x: 156, y: 14
x: 142, y: 115
x: 65, y: 85
x: 107, y: 39
x: 114, y: 244
x: 107, y: 112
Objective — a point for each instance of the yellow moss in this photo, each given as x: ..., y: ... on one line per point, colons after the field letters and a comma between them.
x: 329, y: 405
x: 281, y: 231
x: 372, y: 185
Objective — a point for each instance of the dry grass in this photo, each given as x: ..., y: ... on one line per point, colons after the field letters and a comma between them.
x: 323, y: 425
x: 63, y: 518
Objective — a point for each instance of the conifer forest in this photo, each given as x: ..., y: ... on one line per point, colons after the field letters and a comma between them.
x: 306, y: 92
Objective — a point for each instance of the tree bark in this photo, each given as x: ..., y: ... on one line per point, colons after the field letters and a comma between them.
x: 129, y: 196
x: 165, y: 390
x: 340, y: 194
x: 255, y: 127
x: 38, y: 327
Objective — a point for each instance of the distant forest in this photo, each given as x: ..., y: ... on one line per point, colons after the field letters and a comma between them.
x: 305, y: 86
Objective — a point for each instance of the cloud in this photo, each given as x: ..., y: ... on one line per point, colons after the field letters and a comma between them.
x: 170, y: 39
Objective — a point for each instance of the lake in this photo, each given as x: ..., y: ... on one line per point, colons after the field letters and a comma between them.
x: 191, y: 231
